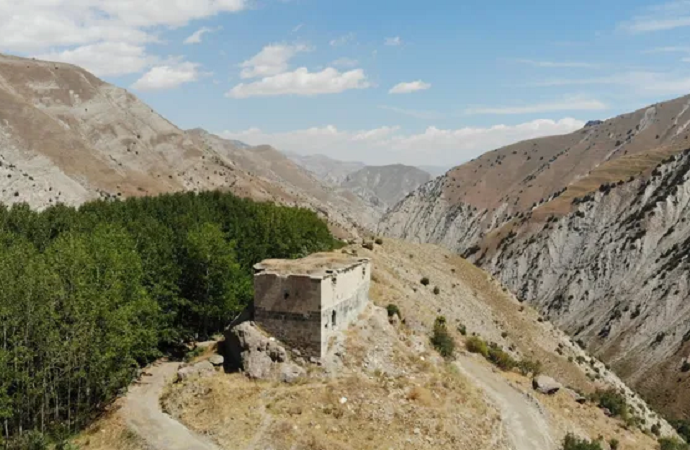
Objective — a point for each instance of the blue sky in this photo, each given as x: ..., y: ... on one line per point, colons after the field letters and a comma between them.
x: 382, y: 81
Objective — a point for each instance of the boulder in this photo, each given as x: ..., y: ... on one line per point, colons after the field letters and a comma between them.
x: 203, y: 368
x: 576, y: 396
x: 289, y: 373
x: 253, y: 352
x: 216, y: 360
x: 546, y: 385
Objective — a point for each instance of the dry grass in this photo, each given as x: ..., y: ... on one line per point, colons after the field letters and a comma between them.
x: 110, y: 433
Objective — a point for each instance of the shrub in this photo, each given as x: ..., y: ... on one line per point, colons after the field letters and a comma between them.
x: 527, y: 366
x: 436, y: 290
x: 475, y: 344
x: 656, y: 429
x: 685, y: 367
x: 612, y: 400
x: 462, y: 329
x: 504, y: 334
x: 501, y: 359
x: 614, y: 444
x: 672, y: 444
x: 441, y: 339
x: 368, y: 245
x: 379, y: 241
x: 425, y: 281
x: 393, y: 310
x: 574, y: 443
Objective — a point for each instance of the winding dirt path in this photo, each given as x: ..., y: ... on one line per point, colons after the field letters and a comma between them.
x: 524, y: 424
x: 143, y: 414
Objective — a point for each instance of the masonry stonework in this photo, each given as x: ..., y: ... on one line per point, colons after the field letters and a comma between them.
x: 306, y: 302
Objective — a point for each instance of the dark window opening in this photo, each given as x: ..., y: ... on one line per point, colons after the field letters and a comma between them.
x: 333, y: 319
x: 286, y: 295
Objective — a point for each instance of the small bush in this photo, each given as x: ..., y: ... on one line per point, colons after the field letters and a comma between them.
x: 672, y: 444
x: 527, y: 367
x: 379, y: 241
x: 685, y: 367
x: 193, y: 353
x: 437, y: 290
x: 441, y: 339
x: 656, y: 429
x: 393, y: 310
x: 614, y: 444
x: 504, y: 334
x: 501, y: 359
x: 612, y: 400
x: 462, y: 329
x: 574, y: 443
x: 368, y: 245
x: 475, y: 344
x: 425, y: 281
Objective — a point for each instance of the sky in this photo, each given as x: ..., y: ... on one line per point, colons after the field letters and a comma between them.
x: 378, y: 81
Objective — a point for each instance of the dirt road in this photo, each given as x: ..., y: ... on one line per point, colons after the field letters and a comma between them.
x: 525, y: 426
x: 144, y: 416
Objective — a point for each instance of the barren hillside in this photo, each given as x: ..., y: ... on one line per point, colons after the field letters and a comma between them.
x: 66, y: 136
x: 384, y: 186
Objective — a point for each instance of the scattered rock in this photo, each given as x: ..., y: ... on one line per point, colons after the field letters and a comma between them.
x: 289, y: 373
x: 216, y: 360
x: 576, y: 396
x: 203, y: 368
x: 546, y: 385
x: 369, y: 245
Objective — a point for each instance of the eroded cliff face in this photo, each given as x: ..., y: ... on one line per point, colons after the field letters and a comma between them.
x: 614, y: 274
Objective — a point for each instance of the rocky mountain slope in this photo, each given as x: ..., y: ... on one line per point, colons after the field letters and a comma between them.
x: 380, y: 187
x: 591, y: 228
x: 385, y: 186
x: 327, y: 169
x: 66, y: 136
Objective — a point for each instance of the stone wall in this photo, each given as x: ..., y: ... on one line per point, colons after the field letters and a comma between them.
x: 306, y: 311
x: 344, y: 295
x: 288, y: 307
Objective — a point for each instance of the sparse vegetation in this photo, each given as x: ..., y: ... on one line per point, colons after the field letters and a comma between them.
x: 614, y: 444
x: 685, y: 367
x: 462, y: 329
x: 393, y: 310
x: 441, y: 339
x: 379, y: 241
x: 613, y: 401
x: 572, y: 442
x: 528, y: 366
x: 437, y: 290
x: 672, y: 444
x: 500, y: 358
x: 475, y: 344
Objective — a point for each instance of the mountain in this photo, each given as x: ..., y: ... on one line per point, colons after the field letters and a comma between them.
x: 384, y: 186
x: 66, y: 136
x: 435, y: 171
x: 589, y: 227
x: 327, y: 169
x: 378, y: 186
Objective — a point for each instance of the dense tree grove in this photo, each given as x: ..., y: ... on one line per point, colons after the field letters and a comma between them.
x: 88, y: 295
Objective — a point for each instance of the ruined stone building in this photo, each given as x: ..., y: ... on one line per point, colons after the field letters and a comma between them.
x: 305, y: 302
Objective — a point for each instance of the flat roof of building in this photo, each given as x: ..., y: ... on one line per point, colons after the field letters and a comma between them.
x: 316, y: 265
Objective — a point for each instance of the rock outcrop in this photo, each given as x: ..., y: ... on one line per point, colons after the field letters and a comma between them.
x: 546, y: 385
x: 256, y: 354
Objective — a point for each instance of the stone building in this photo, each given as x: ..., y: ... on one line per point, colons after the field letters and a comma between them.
x: 305, y: 302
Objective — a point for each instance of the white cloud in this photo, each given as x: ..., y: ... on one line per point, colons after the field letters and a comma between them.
x: 417, y: 114
x: 407, y: 88
x: 639, y: 82
x: 345, y: 62
x: 557, y: 64
x: 671, y: 49
x: 271, y: 60
x: 386, y: 144
x: 665, y: 16
x: 168, y: 76
x: 342, y: 40
x: 104, y: 59
x: 567, y: 104
x: 298, y: 27
x: 302, y: 82
x: 37, y: 25
x: 198, y: 35
x: 393, y: 41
